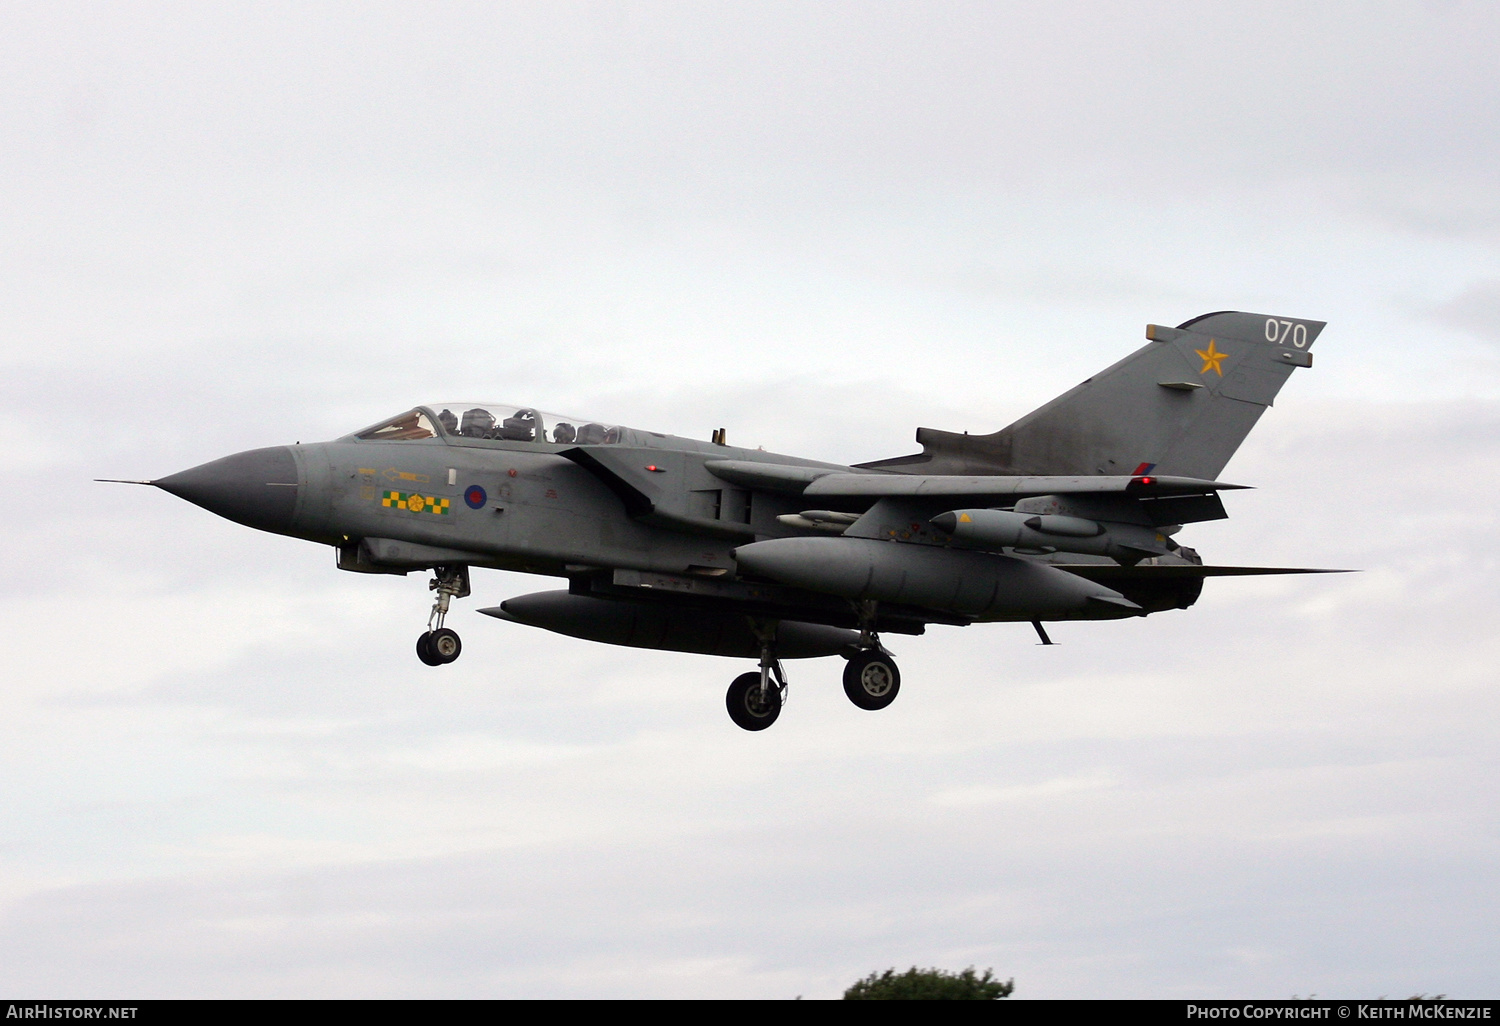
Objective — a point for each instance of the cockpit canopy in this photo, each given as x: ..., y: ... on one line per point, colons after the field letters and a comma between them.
x: 493, y: 421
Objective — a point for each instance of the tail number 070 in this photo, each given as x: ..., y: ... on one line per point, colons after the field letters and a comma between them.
x: 1286, y: 331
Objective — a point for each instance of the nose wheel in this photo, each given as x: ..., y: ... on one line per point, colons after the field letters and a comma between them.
x: 439, y: 644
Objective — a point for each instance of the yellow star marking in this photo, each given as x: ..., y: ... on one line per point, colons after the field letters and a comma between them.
x: 1211, y: 358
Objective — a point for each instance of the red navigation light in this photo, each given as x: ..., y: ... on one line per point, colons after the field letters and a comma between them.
x: 654, y: 468
x: 1145, y: 480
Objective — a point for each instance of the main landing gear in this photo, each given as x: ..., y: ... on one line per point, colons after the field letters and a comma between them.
x: 871, y: 679
x: 754, y: 699
x: 439, y: 644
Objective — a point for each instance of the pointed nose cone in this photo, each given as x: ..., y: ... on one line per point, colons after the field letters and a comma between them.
x: 257, y: 488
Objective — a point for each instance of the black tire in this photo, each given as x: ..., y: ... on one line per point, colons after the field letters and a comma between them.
x: 747, y: 707
x: 444, y: 645
x: 871, y: 680
x: 424, y: 652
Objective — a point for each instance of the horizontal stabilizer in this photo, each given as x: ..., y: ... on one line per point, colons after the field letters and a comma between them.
x: 1106, y: 572
x: 1155, y: 586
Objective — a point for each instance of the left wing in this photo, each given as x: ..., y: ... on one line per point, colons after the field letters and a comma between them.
x: 821, y: 481
x: 1162, y: 500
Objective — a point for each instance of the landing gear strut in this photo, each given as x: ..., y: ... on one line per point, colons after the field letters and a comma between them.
x: 871, y: 679
x: 755, y: 699
x: 439, y: 644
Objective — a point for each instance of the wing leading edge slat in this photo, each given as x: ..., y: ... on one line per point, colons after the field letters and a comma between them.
x: 821, y: 481
x: 915, y: 486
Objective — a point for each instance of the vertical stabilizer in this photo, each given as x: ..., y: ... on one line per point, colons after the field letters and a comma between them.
x: 1182, y: 404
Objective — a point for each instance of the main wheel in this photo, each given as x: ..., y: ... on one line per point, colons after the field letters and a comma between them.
x: 424, y: 650
x: 444, y: 645
x: 871, y: 680
x: 748, y: 707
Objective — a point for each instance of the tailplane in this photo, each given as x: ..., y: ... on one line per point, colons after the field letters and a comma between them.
x: 1180, y: 405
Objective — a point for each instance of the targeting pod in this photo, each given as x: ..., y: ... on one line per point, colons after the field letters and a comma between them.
x: 995, y: 529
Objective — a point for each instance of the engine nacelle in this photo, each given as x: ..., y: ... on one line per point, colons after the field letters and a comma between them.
x: 976, y: 584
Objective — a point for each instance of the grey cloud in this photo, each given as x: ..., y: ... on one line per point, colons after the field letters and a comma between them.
x: 1475, y: 310
x: 953, y: 92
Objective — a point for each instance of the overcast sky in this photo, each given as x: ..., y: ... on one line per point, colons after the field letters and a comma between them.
x: 223, y: 771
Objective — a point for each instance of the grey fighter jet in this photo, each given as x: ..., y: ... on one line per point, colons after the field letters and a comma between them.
x: 673, y: 543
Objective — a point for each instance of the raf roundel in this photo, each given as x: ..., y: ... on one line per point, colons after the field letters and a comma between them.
x: 475, y: 497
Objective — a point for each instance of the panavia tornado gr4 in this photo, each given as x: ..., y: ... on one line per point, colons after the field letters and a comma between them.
x: 1070, y: 513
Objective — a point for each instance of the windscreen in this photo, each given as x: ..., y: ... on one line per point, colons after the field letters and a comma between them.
x: 407, y: 427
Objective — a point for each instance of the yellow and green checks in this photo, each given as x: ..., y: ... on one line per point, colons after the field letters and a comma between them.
x: 415, y: 502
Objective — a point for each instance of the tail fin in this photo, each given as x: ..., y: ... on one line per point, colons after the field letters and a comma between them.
x: 1180, y: 405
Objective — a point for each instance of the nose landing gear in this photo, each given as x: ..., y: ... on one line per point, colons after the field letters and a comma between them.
x: 439, y: 644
